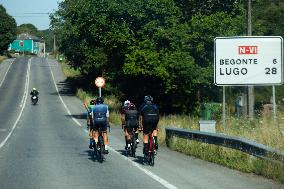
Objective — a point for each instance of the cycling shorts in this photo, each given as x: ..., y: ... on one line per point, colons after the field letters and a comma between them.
x: 129, y: 129
x: 103, y: 126
x: 147, y: 128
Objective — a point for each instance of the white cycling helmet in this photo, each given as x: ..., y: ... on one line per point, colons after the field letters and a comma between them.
x: 127, y: 102
x: 34, y: 89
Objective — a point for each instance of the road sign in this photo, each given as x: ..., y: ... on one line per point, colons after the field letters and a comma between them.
x: 100, y: 82
x: 253, y: 60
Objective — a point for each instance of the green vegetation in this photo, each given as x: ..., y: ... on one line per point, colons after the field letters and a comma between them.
x: 158, y: 47
x: 157, y: 44
x: 229, y: 158
x: 2, y: 58
x: 8, y: 28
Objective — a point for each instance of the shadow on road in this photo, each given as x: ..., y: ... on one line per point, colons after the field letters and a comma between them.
x: 66, y: 88
x: 90, y: 155
x: 137, y: 159
x: 78, y: 116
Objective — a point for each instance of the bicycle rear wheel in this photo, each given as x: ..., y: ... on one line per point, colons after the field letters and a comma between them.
x: 133, y: 145
x: 100, y: 152
x: 151, y: 159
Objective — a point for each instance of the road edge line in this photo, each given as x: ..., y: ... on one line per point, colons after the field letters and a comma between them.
x: 6, y: 73
x: 66, y: 108
x: 25, y: 100
x: 147, y: 172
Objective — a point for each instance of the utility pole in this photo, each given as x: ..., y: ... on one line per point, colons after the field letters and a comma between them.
x: 54, y: 47
x: 250, y: 88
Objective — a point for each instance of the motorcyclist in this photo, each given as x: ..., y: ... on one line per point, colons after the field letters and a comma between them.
x: 35, y: 93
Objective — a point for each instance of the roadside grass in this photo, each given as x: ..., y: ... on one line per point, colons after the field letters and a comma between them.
x: 2, y: 58
x: 263, y: 130
x: 68, y: 71
x: 228, y: 157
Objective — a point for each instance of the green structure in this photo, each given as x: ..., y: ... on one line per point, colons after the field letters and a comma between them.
x: 27, y: 43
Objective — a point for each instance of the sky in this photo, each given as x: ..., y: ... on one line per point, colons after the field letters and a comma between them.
x: 24, y: 11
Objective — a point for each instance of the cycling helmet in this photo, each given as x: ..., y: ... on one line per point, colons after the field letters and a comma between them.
x: 126, y: 103
x: 148, y: 98
x: 34, y: 89
x: 100, y: 100
x: 92, y: 102
x: 132, y: 106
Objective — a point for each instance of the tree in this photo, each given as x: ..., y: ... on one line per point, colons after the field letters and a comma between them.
x: 30, y: 29
x: 147, y: 47
x: 268, y: 17
x: 7, y: 29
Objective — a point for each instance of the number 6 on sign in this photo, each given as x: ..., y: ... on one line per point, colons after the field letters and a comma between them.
x: 274, y: 61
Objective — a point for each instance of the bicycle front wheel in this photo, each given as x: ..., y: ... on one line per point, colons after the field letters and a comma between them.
x: 151, y: 159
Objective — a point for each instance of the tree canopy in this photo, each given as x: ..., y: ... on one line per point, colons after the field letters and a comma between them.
x: 160, y: 47
x: 8, y: 29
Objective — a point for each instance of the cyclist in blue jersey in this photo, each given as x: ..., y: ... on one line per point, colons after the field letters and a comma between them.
x: 101, y: 119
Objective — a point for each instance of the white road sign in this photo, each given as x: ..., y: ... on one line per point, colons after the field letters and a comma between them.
x: 252, y: 60
x: 100, y: 82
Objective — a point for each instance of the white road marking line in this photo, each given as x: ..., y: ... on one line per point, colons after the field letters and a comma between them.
x: 149, y: 173
x: 68, y: 111
x: 25, y: 100
x: 6, y: 73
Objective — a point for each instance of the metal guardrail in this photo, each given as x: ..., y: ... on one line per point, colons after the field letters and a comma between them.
x: 238, y: 143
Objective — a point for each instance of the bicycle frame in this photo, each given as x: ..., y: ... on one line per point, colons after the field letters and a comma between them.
x: 132, y: 150
x: 150, y: 157
x: 99, y: 152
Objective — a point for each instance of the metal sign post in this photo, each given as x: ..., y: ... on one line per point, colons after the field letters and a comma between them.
x: 224, y: 108
x: 274, y: 103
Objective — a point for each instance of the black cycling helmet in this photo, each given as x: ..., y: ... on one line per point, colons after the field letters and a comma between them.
x: 92, y: 102
x: 100, y: 100
x: 148, y: 98
x: 132, y: 106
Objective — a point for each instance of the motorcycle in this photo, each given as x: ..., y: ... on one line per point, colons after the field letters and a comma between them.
x: 34, y: 99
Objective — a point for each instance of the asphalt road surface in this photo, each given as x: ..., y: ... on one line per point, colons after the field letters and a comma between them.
x: 46, y: 145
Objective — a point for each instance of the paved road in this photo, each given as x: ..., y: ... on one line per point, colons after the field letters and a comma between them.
x: 46, y: 146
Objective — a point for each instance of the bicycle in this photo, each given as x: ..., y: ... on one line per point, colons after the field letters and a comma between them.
x: 150, y: 156
x: 133, y: 145
x: 99, y: 148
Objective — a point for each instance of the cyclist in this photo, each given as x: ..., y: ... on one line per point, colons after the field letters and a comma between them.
x: 90, y: 121
x: 149, y: 118
x: 131, y: 123
x: 101, y: 119
x: 123, y: 109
